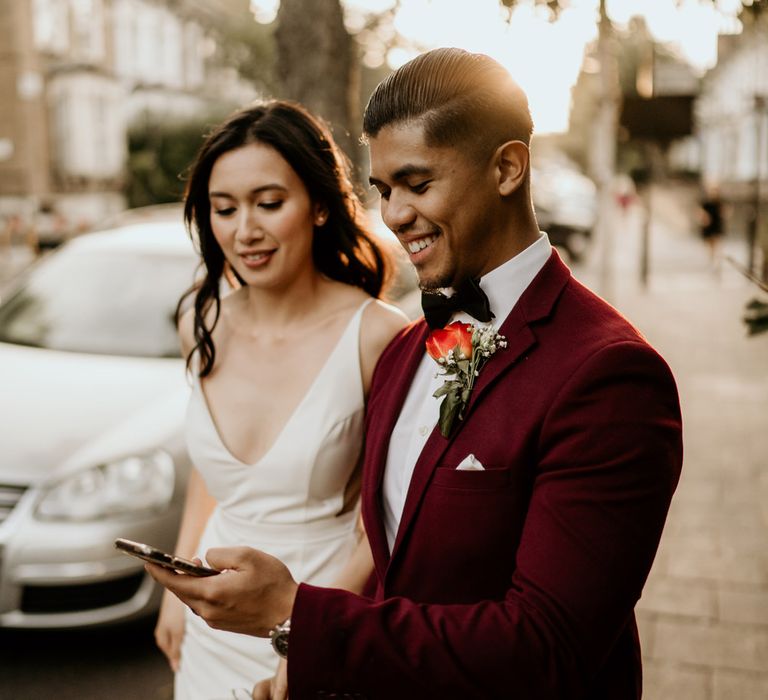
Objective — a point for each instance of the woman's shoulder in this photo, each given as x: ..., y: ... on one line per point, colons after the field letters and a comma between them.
x: 381, y: 322
x: 380, y: 314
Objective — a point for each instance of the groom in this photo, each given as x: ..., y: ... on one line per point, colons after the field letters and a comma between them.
x: 512, y: 545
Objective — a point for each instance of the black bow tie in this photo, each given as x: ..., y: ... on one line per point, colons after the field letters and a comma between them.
x: 468, y: 297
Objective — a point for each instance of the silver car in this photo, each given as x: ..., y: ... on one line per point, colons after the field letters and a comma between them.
x: 566, y: 205
x: 92, y: 400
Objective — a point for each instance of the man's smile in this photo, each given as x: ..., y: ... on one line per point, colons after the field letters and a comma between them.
x: 419, y: 244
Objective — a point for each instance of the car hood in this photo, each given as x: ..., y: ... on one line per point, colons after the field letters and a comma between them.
x: 59, y: 408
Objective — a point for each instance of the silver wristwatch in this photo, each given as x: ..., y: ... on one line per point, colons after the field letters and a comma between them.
x: 278, y: 636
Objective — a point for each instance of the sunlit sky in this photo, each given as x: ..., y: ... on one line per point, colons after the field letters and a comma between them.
x: 543, y: 56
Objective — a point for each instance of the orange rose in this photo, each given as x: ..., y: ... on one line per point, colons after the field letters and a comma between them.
x: 456, y: 336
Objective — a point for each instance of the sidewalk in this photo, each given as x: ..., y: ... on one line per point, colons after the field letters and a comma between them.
x: 704, y: 613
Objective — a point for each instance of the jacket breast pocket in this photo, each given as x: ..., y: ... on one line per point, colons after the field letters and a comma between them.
x: 469, y: 521
x: 469, y: 479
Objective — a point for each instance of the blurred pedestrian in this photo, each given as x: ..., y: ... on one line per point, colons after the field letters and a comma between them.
x: 710, y: 221
x: 280, y: 371
x: 519, y: 461
x: 625, y: 192
x: 16, y: 231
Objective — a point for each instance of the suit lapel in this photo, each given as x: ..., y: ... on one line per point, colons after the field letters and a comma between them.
x: 536, y: 303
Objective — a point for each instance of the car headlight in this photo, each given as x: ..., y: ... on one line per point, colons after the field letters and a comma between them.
x: 133, y: 484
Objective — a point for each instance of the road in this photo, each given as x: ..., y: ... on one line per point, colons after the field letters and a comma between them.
x: 117, y: 663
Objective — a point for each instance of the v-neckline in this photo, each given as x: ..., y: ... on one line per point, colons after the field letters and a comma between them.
x: 296, y: 408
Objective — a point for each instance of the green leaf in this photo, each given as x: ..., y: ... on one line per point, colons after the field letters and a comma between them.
x: 452, y: 387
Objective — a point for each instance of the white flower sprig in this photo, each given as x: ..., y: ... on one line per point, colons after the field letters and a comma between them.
x: 460, y: 350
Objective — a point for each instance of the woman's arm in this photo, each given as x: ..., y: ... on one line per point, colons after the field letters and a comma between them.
x: 358, y: 569
x: 198, y: 504
x: 169, y: 631
x: 197, y: 509
x: 381, y: 322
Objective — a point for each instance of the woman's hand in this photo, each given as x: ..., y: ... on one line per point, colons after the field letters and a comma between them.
x: 273, y: 688
x: 169, y: 630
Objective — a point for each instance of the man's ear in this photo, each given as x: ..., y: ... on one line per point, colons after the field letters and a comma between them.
x: 511, y: 160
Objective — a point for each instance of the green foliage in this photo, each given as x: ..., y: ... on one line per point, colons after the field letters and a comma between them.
x: 752, y: 9
x: 245, y: 44
x: 756, y: 316
x: 158, y: 156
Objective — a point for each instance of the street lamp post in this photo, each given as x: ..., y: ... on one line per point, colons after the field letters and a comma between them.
x: 754, y: 224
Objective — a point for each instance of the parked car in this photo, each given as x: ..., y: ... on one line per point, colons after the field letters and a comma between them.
x: 565, y: 201
x: 92, y: 401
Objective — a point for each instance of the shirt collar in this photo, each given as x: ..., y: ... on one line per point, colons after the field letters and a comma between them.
x: 505, y: 284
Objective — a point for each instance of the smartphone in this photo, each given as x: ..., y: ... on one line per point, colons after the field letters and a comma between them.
x: 157, y: 556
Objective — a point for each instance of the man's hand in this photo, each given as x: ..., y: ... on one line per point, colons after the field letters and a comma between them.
x: 253, y: 593
x: 275, y: 688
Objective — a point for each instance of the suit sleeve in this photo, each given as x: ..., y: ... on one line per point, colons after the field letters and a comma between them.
x: 609, y: 458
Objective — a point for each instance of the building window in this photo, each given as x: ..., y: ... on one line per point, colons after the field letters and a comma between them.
x: 88, y: 29
x: 50, y: 21
x: 124, y: 32
x: 62, y: 138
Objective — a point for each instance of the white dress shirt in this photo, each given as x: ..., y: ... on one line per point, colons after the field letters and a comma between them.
x: 420, y: 412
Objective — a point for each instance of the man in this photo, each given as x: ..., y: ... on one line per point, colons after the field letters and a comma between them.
x: 508, y: 555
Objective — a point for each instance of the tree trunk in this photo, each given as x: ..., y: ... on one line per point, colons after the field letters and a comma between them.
x: 317, y: 65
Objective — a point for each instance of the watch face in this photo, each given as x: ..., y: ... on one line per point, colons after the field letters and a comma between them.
x: 280, y: 642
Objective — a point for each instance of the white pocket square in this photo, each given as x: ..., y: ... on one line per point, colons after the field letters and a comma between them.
x: 470, y: 463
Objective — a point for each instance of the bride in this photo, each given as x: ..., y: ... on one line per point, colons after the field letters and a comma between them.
x: 280, y: 369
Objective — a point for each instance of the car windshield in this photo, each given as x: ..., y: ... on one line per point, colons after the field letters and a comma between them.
x: 106, y: 302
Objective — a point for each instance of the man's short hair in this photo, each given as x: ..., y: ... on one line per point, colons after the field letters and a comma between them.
x: 463, y: 99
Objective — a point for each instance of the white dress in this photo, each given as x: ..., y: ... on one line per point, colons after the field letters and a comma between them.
x: 285, y: 504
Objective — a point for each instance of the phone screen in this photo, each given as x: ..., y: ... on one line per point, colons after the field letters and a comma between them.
x: 157, y: 556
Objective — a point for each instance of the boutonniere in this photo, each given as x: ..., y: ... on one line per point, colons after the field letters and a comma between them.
x: 460, y: 349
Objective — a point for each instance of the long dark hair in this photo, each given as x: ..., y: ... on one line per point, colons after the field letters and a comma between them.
x: 344, y: 250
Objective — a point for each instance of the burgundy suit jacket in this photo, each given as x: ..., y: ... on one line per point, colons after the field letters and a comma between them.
x: 519, y: 581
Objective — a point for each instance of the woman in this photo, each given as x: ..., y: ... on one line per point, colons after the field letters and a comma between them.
x: 280, y: 366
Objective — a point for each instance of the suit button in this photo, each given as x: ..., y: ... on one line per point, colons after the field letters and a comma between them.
x: 423, y: 430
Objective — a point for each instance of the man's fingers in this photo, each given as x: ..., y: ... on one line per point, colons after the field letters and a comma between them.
x: 227, y: 557
x: 184, y: 587
x: 162, y: 575
x: 280, y: 688
x: 261, y: 691
x: 280, y: 681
